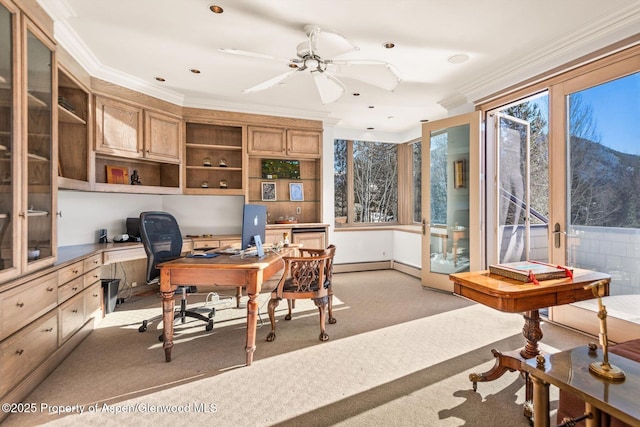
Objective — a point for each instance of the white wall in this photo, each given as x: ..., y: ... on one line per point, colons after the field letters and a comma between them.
x: 83, y: 213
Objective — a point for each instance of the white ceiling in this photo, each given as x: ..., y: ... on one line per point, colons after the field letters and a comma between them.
x: 130, y: 42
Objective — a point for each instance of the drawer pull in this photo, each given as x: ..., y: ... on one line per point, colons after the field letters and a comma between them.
x: 20, y: 304
x: 75, y: 271
x: 74, y: 311
x: 49, y: 289
x: 19, y: 352
x: 48, y: 330
x: 96, y: 295
x: 95, y: 261
x: 75, y: 288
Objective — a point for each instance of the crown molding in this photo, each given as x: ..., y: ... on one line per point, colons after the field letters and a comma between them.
x: 602, y: 32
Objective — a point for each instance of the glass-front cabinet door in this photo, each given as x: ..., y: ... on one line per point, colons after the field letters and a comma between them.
x: 9, y: 260
x: 38, y: 210
x: 451, y: 199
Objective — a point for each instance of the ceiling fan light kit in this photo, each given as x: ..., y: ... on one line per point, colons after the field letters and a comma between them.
x: 330, y: 88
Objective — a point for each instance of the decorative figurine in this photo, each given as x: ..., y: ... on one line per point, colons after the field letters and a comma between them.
x: 205, y: 184
x: 223, y: 163
x: 135, y: 178
x: 223, y: 183
x: 206, y: 162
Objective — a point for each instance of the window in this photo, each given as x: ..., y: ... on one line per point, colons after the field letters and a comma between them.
x: 416, y: 180
x: 365, y: 182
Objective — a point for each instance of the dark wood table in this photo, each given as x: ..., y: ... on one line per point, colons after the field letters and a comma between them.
x: 513, y: 296
x: 569, y: 370
x: 223, y: 270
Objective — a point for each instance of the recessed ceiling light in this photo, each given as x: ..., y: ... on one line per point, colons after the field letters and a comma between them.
x: 370, y: 128
x: 372, y: 106
x: 195, y: 71
x: 160, y: 79
x: 458, y: 59
x: 424, y: 120
x: 391, y: 117
x: 389, y: 45
x: 356, y: 94
x: 215, y: 9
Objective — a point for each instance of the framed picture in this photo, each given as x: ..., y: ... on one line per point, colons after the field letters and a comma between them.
x: 296, y: 192
x: 459, y: 177
x: 117, y: 175
x: 268, y: 191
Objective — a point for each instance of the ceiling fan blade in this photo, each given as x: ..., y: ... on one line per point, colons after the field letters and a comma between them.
x: 376, y: 73
x: 328, y: 43
x: 251, y: 54
x: 329, y: 88
x: 270, y: 83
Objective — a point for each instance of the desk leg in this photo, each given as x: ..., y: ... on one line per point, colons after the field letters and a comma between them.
x: 168, y: 306
x: 252, y: 321
x: 540, y: 402
x: 512, y: 361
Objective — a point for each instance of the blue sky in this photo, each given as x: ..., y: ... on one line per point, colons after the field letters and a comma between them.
x: 616, y: 108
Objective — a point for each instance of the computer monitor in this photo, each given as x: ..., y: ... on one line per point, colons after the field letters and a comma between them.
x: 254, y: 222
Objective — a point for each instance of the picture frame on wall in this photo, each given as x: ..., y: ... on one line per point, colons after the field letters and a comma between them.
x: 268, y: 191
x: 296, y: 192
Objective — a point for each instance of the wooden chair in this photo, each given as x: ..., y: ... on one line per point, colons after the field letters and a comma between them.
x: 307, y: 276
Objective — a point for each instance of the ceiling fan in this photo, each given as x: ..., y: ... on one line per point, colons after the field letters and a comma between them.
x: 308, y: 58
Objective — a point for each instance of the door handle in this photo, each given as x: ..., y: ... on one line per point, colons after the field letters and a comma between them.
x: 556, y: 235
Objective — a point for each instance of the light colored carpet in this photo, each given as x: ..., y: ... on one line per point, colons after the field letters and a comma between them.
x: 399, y: 355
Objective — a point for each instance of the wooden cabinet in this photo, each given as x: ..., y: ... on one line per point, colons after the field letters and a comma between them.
x: 214, y: 160
x: 135, y: 140
x: 310, y: 236
x: 118, y: 128
x: 162, y: 137
x: 310, y: 239
x: 74, y: 109
x: 27, y: 150
x: 24, y: 351
x: 279, y: 142
x: 43, y: 316
x: 304, y: 143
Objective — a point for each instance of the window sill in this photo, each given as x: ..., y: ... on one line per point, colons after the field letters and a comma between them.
x: 414, y: 228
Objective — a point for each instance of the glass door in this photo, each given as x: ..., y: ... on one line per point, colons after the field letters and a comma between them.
x: 39, y: 160
x: 451, y: 199
x: 597, y: 223
x: 518, y: 193
x: 9, y: 260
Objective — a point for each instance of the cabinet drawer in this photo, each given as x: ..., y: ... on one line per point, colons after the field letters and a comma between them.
x: 121, y: 255
x: 24, y: 304
x: 70, y: 272
x: 71, y: 317
x: 24, y: 351
x: 69, y: 289
x: 90, y: 278
x: 206, y: 244
x: 92, y: 298
x: 92, y: 262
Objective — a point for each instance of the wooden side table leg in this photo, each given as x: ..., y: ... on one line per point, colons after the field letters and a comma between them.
x: 532, y: 333
x: 594, y: 420
x: 540, y: 403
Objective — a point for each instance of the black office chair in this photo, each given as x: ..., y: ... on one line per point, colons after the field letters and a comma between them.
x: 162, y: 242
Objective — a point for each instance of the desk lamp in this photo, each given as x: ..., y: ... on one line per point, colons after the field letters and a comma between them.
x: 603, y: 369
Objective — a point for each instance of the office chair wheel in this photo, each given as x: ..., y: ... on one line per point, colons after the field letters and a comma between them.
x: 143, y: 327
x: 209, y: 326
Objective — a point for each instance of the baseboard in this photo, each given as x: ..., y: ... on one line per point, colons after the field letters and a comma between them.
x: 377, y: 265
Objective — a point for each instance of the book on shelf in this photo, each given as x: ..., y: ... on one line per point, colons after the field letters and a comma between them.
x: 531, y: 271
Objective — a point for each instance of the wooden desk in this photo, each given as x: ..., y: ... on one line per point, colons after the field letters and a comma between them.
x: 222, y: 270
x: 569, y: 370
x: 512, y: 296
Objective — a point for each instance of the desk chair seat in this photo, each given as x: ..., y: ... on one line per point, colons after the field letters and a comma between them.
x: 162, y: 241
x: 306, y: 277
